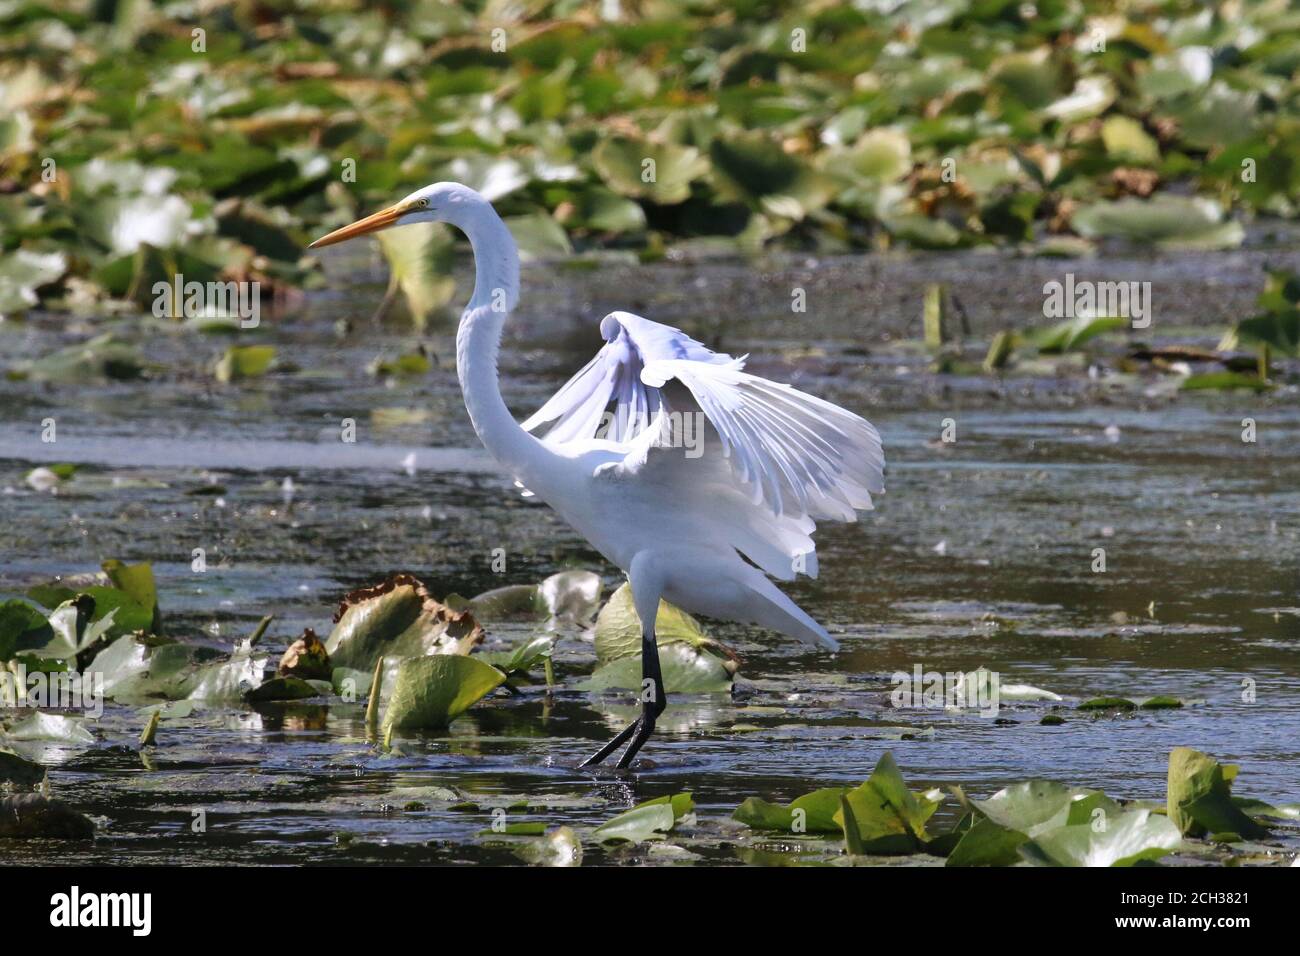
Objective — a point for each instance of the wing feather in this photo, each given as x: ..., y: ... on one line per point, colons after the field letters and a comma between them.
x: 774, y: 458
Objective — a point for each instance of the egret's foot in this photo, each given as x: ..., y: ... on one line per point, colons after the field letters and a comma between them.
x: 639, y: 731
x: 610, y: 747
x: 642, y: 729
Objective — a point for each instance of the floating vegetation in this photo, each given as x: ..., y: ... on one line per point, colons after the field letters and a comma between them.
x: 830, y: 129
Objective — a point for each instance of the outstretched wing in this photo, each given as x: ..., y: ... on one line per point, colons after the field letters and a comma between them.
x: 791, y: 451
x: 580, y: 408
x: 755, y: 461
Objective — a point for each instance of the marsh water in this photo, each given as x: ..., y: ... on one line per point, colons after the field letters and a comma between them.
x: 982, y: 553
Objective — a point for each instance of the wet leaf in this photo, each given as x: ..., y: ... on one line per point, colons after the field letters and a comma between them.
x: 1127, y: 838
x: 23, y: 272
x: 686, y: 670
x: 812, y: 813
x: 43, y: 726
x: 231, y: 679
x: 987, y: 843
x: 243, y: 362
x: 660, y: 173
x: 559, y: 847
x: 890, y: 818
x: 430, y: 692
x: 396, y: 617
x: 1199, y: 799
x: 306, y: 658
x: 103, y: 358
x: 647, y: 821
x: 1166, y: 221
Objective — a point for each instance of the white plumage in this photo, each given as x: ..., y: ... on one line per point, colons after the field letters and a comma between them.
x: 695, y: 477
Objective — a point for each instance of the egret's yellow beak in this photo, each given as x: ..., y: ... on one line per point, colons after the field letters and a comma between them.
x: 373, y: 223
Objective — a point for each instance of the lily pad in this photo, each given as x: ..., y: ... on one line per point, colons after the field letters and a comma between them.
x: 659, y: 172
x: 644, y: 822
x: 430, y: 692
x: 1127, y: 838
x: 243, y: 362
x: 890, y: 818
x: 1166, y: 221
x: 397, y: 617
x: 558, y: 847
x: 812, y: 813
x: 420, y: 258
x: 1200, y: 796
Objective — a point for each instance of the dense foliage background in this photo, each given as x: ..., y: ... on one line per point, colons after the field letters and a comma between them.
x: 138, y: 140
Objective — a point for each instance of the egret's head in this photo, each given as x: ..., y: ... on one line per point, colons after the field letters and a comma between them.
x: 441, y: 202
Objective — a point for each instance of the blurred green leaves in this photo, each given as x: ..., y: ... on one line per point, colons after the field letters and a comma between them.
x: 935, y: 125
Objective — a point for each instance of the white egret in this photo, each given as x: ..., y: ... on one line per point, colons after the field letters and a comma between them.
x: 695, y: 477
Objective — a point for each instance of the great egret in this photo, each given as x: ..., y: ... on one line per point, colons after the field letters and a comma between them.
x: 687, y: 472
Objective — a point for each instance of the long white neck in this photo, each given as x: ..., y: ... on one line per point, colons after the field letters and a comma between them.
x: 478, y: 340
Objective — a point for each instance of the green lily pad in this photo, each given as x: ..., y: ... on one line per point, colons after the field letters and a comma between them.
x: 135, y: 667
x: 100, y: 359
x: 397, y: 617
x: 1127, y: 838
x: 1199, y: 798
x: 1166, y: 221
x: 430, y: 692
x: 1126, y: 141
x: 618, y: 629
x: 645, y: 822
x: 244, y: 361
x: 890, y: 818
x: 1108, y: 703
x: 231, y: 679
x: 56, y: 727
x: 1071, y: 335
x: 523, y: 658
x: 1225, y: 381
x: 281, y: 688
x: 987, y: 843
x: 753, y: 169
x: 812, y: 813
x: 22, y: 626
x: 659, y: 172
x: 23, y: 272
x: 685, y: 669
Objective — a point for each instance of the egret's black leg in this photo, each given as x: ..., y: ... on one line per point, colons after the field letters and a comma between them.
x: 653, y: 702
x: 653, y: 698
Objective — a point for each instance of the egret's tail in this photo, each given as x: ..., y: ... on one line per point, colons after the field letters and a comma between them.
x: 776, y: 611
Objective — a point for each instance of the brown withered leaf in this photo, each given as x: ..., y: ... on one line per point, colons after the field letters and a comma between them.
x: 306, y: 658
